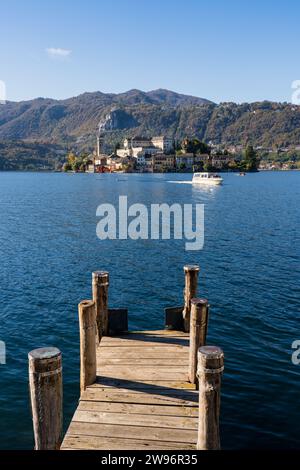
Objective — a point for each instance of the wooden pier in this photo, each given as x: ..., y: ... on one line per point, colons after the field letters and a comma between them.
x: 142, y: 398
x: 143, y: 390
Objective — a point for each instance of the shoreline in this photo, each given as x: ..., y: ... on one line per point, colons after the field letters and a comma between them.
x: 148, y: 173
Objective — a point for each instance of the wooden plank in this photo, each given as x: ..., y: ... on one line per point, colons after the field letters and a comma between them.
x: 139, y: 396
x: 132, y: 432
x: 108, y: 443
x: 126, y: 408
x: 141, y: 335
x: 144, y: 368
x: 142, y: 398
x: 155, y: 385
x: 143, y: 361
x: 135, y: 336
x: 140, y: 377
x: 153, y: 341
x: 178, y: 422
x: 160, y: 332
x: 142, y: 373
x: 148, y: 334
x: 141, y: 353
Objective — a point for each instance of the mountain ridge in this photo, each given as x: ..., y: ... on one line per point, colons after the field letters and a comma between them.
x: 74, y: 121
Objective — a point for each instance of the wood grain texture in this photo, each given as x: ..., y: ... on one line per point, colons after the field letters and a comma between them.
x: 210, y: 368
x: 100, y: 283
x: 45, y: 382
x: 198, y: 330
x: 141, y: 399
x: 88, y: 335
x: 190, y: 291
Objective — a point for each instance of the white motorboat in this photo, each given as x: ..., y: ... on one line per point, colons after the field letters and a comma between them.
x: 207, y: 178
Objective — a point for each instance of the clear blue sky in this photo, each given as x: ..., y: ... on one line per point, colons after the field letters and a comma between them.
x: 229, y: 50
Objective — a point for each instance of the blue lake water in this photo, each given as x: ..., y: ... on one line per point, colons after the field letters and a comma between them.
x: 249, y: 272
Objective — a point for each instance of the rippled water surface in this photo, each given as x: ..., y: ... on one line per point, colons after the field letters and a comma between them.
x: 249, y: 272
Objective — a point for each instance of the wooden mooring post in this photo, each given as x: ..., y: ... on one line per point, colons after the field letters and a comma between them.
x: 100, y: 283
x: 87, y: 329
x: 210, y: 368
x: 45, y: 382
x: 198, y: 332
x: 190, y: 291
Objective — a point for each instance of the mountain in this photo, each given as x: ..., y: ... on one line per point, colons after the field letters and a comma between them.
x: 74, y: 122
x: 62, y: 120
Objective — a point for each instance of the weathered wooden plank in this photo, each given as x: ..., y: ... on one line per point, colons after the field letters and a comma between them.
x: 142, y: 373
x: 108, y: 443
x: 146, y: 362
x: 147, y: 385
x: 178, y: 422
x: 150, y: 333
x: 140, y: 377
x: 126, y: 408
x: 141, y: 353
x: 142, y: 398
x: 133, y: 432
x: 157, y: 341
x: 98, y: 393
x: 144, y: 368
x: 155, y: 385
x: 159, y: 333
x: 140, y: 335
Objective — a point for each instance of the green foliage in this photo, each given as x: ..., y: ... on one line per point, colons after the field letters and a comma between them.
x: 250, y: 161
x: 28, y: 156
x: 117, y: 147
x: 194, y: 146
x: 232, y: 165
x: 199, y: 166
x: 76, y: 162
x: 67, y: 167
x: 208, y: 167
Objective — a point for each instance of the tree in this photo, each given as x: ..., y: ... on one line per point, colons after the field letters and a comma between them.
x: 232, y: 165
x: 117, y: 147
x: 77, y: 165
x: 208, y: 167
x: 199, y: 166
x: 251, y: 161
x: 67, y: 167
x: 195, y: 146
x: 71, y: 158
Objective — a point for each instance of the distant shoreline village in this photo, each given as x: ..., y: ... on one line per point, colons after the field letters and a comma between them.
x: 161, y: 154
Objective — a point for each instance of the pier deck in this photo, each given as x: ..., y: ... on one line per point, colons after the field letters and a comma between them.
x: 142, y: 398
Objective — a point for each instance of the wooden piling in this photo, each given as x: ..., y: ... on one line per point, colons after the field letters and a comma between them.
x: 190, y: 291
x: 45, y: 382
x: 210, y: 368
x: 198, y: 331
x: 100, y: 283
x: 87, y: 327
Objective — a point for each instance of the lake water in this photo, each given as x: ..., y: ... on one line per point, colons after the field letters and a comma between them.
x: 249, y: 272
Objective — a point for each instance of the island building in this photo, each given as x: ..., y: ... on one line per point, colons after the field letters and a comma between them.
x: 218, y: 161
x: 100, y: 160
x: 139, y: 146
x: 163, y: 162
x: 155, y: 154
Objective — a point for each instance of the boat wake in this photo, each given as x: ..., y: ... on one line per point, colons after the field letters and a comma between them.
x: 180, y: 182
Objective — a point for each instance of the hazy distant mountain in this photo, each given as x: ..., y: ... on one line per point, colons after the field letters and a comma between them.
x: 74, y: 121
